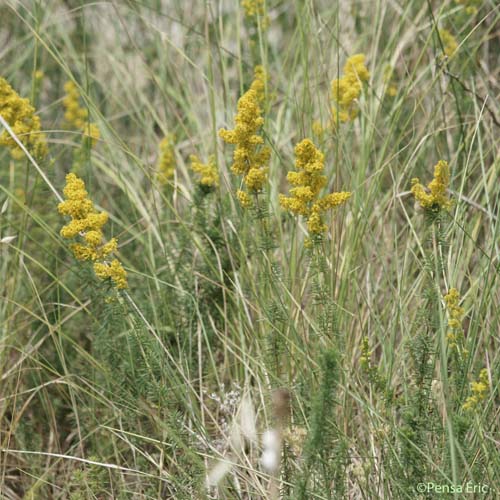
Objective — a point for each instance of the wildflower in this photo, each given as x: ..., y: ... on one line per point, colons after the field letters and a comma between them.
x: 250, y: 157
x: 318, y: 130
x: 91, y: 132
x: 455, y: 333
x: 347, y: 89
x: 479, y: 391
x: 449, y: 42
x: 20, y: 115
x: 76, y: 116
x: 113, y: 270
x: 454, y: 310
x: 259, y: 82
x: 166, y: 160
x: 209, y: 175
x: 471, y: 6
x: 255, y: 9
x: 87, y: 223
x: 308, y: 181
x: 437, y: 198
x: 391, y: 90
x: 243, y: 198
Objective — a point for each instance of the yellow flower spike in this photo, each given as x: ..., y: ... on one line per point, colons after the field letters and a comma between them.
x: 479, y: 391
x: 87, y: 223
x: 20, y: 115
x: 471, y: 6
x: 318, y: 130
x: 390, y: 88
x: 355, y: 68
x: 455, y: 311
x: 109, y: 247
x: 333, y: 200
x: 166, y: 160
x: 250, y: 158
x: 244, y: 199
x: 259, y: 82
x: 255, y: 9
x: 315, y: 224
x: 437, y: 197
x: 114, y: 270
x: 209, y: 175
x: 91, y: 131
x: 83, y: 252
x: 93, y: 237
x: 76, y: 116
x: 455, y: 334
x: 449, y: 42
x: 347, y: 89
x: 308, y: 182
x: 255, y: 179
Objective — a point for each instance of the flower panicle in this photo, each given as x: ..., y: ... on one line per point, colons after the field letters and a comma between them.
x: 250, y: 157
x: 255, y: 10
x: 88, y: 223
x: 347, y: 89
x: 455, y: 334
x: 391, y: 89
x: 436, y: 197
x: 166, y: 160
x: 26, y: 125
x: 307, y: 182
x: 76, y: 116
x: 207, y: 172
x: 471, y: 6
x: 479, y: 391
x: 450, y: 44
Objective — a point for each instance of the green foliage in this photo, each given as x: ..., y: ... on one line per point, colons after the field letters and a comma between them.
x: 121, y: 394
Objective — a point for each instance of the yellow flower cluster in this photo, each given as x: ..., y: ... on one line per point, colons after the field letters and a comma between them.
x: 166, y: 159
x: 391, y: 89
x: 318, y: 130
x: 308, y: 181
x: 209, y: 175
x: 112, y: 270
x: 437, y: 198
x: 88, y: 223
x: 250, y: 158
x: 346, y: 90
x: 479, y: 391
x: 449, y: 42
x: 455, y: 314
x: 20, y: 115
x: 76, y: 116
x: 255, y: 9
x: 470, y: 5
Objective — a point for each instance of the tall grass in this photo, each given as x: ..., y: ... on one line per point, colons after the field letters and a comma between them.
x: 232, y: 324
